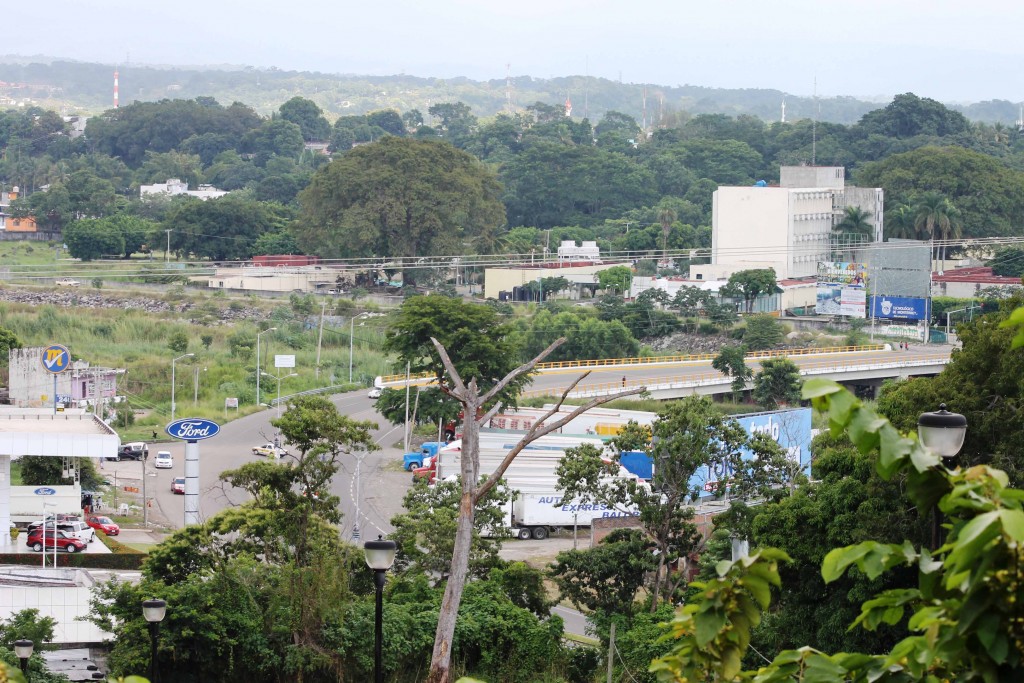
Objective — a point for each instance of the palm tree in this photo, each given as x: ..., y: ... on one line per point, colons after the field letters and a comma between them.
x: 666, y: 216
x: 856, y: 221
x: 931, y: 213
x: 899, y: 223
x: 951, y: 229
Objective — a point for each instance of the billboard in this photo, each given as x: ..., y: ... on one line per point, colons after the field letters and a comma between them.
x: 791, y: 429
x: 841, y: 289
x: 899, y: 308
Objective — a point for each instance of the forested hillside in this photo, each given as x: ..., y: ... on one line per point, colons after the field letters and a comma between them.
x: 88, y: 87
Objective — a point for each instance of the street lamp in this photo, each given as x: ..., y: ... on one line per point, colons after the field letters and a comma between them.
x: 279, y: 378
x: 380, y: 555
x: 154, y: 611
x: 259, y: 368
x: 175, y: 360
x: 351, y: 333
x: 941, y: 432
x: 23, y: 649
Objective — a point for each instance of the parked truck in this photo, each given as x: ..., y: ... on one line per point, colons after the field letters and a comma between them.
x: 416, y: 459
x: 536, y: 515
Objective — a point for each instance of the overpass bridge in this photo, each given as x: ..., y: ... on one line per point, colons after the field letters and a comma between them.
x: 675, y: 376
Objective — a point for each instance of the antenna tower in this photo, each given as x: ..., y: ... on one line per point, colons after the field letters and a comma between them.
x: 783, y: 110
x: 508, y: 89
x: 115, y: 89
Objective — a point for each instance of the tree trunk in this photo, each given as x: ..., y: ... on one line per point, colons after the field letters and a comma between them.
x: 441, y: 659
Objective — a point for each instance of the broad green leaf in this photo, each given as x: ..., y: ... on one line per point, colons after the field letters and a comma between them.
x: 1013, y: 524
x: 708, y: 625
x: 864, y: 429
x: 759, y: 588
x: 892, y: 448
x: 731, y: 663
x: 821, y: 669
x: 818, y: 387
x: 923, y: 459
x: 838, y: 559
x: 840, y: 406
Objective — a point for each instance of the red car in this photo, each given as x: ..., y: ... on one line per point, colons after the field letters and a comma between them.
x: 104, y: 524
x: 61, y: 540
x: 178, y: 485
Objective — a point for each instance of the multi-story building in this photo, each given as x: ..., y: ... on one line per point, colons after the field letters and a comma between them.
x: 788, y: 227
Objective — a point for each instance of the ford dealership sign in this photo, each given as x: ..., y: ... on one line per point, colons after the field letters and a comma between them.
x: 45, y: 491
x: 193, y: 429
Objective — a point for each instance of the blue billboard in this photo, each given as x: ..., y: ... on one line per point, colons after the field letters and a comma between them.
x: 900, y: 308
x: 791, y: 429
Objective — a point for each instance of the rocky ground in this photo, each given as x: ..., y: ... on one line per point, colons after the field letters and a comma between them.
x: 186, y: 307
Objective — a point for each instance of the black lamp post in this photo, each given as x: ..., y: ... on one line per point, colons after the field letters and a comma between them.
x: 154, y: 611
x: 23, y: 648
x: 941, y: 432
x: 380, y: 555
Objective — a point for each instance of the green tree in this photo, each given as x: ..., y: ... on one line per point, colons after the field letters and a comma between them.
x: 731, y: 362
x: 8, y: 341
x: 1008, y: 262
x: 691, y: 441
x: 45, y: 471
x: 29, y: 625
x: 89, y: 239
x: 762, y: 331
x: 777, y: 384
x: 234, y: 221
x: 308, y: 116
x: 616, y: 278
x: 750, y: 284
x: 909, y: 115
x: 398, y: 197
x: 605, y: 579
x: 178, y: 341
x: 935, y: 217
x: 856, y: 221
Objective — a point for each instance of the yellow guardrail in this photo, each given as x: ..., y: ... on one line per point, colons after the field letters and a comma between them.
x: 715, y: 377
x: 654, y: 360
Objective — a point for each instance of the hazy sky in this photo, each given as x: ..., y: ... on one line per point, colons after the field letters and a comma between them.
x: 951, y: 50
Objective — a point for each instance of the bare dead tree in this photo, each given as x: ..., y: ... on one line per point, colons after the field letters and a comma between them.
x: 469, y: 396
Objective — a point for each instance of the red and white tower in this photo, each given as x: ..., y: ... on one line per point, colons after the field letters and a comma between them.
x: 115, y: 88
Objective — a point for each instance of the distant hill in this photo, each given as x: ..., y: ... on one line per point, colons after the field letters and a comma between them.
x: 81, y: 87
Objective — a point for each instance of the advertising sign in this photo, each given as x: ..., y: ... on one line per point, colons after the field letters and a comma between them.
x: 56, y: 359
x: 791, y: 429
x: 841, y: 289
x: 899, y: 308
x: 193, y: 429
x: 284, y: 361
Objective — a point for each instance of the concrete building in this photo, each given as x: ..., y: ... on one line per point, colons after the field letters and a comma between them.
x: 788, y: 227
x: 256, y: 278
x: 589, y: 251
x: 795, y: 293
x: 966, y: 283
x: 582, y: 274
x: 31, y: 386
x: 174, y: 187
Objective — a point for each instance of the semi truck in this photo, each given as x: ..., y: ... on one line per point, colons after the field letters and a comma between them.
x: 536, y: 515
x: 417, y: 459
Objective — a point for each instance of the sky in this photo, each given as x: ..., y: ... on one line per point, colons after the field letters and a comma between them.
x: 950, y: 50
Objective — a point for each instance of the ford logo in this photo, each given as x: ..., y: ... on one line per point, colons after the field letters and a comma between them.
x: 192, y: 429
x: 45, y: 491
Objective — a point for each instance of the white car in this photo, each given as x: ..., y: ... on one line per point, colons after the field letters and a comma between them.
x: 374, y: 393
x: 163, y: 461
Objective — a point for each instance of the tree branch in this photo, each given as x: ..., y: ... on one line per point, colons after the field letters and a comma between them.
x: 537, y: 431
x: 524, y: 368
x: 450, y: 367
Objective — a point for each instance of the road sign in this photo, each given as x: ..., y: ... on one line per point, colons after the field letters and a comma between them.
x: 192, y: 429
x: 56, y: 359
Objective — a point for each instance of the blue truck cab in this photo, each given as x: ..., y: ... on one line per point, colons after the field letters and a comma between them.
x: 411, y: 461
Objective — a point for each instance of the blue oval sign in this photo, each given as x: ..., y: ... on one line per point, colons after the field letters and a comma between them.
x: 192, y: 429
x: 45, y: 491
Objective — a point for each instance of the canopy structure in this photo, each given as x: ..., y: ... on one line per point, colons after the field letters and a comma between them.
x: 35, y: 431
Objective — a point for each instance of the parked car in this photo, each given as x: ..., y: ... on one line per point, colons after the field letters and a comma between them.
x: 104, y: 524
x: 374, y: 393
x: 67, y: 282
x: 53, y: 539
x: 178, y: 485
x: 80, y: 530
x: 163, y: 461
x: 269, y: 450
x: 134, y: 450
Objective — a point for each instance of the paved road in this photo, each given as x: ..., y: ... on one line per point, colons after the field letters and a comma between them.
x: 383, y: 484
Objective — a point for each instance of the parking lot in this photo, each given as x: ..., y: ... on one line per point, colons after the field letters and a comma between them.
x: 19, y: 547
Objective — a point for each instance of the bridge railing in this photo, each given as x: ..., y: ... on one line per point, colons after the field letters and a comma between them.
x: 660, y: 360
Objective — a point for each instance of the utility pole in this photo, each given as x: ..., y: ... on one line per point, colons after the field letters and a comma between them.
x: 320, y: 339
x: 167, y: 252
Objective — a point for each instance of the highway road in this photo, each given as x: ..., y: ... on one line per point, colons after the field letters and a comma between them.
x: 383, y: 484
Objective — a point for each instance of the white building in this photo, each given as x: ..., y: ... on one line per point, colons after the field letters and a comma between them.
x: 174, y: 187
x: 568, y: 251
x: 788, y: 228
